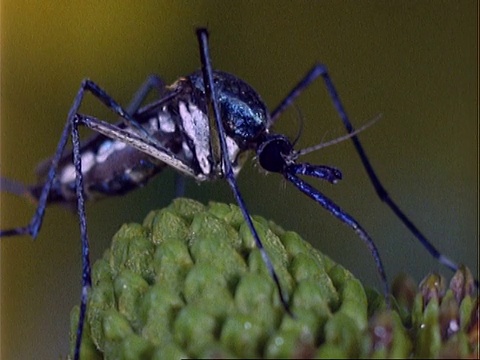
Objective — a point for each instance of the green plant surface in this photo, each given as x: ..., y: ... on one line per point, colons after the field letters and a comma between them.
x: 190, y: 283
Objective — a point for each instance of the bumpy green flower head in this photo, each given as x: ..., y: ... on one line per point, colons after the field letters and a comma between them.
x: 190, y: 283
x: 445, y: 321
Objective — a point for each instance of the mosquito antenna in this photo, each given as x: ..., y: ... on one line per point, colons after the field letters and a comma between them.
x: 338, y: 139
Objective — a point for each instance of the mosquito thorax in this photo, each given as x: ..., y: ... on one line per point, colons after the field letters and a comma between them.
x: 244, y: 114
x: 244, y: 117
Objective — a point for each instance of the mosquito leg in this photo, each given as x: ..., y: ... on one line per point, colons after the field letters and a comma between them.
x: 116, y: 133
x: 152, y: 82
x: 86, y: 269
x: 34, y: 226
x: 202, y: 35
x: 35, y: 223
x: 307, y: 80
x: 321, y: 71
x: 336, y: 211
x: 100, y: 94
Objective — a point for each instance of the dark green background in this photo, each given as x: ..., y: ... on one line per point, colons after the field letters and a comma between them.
x: 414, y: 62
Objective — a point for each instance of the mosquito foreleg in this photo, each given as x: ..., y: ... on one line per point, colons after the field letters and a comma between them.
x: 340, y: 214
x: 379, y: 188
x: 307, y: 80
x: 318, y: 71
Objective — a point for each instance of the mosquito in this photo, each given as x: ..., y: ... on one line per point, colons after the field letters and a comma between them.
x: 203, y: 126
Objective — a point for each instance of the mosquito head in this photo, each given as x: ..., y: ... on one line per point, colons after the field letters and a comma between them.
x: 273, y: 153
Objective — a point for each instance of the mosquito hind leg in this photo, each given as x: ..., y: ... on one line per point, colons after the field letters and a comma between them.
x: 321, y: 71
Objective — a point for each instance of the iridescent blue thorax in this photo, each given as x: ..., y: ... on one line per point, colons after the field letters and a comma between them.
x: 244, y: 114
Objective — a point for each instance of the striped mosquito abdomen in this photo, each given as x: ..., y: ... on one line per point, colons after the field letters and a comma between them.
x: 111, y: 167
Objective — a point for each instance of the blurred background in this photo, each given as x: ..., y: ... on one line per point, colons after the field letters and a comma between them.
x: 413, y: 62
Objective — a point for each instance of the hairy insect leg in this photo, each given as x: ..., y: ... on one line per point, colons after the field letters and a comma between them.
x: 86, y: 268
x: 100, y: 94
x: 321, y: 71
x: 202, y: 35
x: 152, y: 82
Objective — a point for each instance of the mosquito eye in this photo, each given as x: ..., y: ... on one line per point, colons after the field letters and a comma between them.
x: 271, y: 153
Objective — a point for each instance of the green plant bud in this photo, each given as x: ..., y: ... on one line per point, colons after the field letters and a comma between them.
x: 473, y: 328
x: 432, y: 287
x: 404, y: 290
x: 388, y: 337
x: 443, y: 319
x: 190, y: 282
x: 462, y: 284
